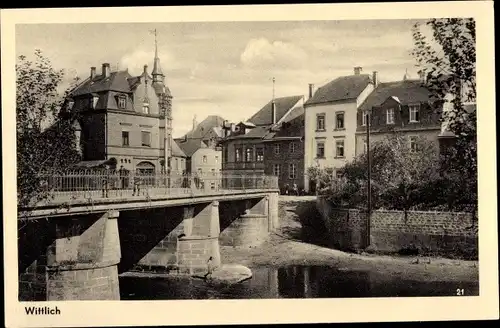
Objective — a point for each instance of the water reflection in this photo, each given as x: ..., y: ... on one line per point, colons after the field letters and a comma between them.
x: 291, y: 282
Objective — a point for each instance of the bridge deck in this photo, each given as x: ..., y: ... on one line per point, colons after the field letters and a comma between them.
x: 72, y: 203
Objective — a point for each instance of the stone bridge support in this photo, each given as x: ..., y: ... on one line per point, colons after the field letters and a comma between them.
x: 200, y: 240
x: 82, y: 260
x: 251, y: 221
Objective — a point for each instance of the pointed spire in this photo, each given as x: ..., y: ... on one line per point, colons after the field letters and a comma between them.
x: 406, y: 76
x: 157, y: 73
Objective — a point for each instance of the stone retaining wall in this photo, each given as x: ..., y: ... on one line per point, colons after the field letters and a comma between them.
x: 389, y: 231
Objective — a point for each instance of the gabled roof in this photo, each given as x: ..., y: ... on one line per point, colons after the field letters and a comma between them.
x: 283, y: 105
x: 406, y: 92
x: 255, y: 133
x: 120, y: 81
x: 342, y: 88
x: 190, y: 146
x: 210, y: 122
x: 176, y: 150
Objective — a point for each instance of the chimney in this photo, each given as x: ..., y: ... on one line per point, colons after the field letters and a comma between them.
x: 311, y: 90
x: 357, y: 70
x: 421, y: 74
x: 145, y: 69
x: 92, y: 73
x: 375, y: 79
x: 105, y: 70
x: 273, y: 111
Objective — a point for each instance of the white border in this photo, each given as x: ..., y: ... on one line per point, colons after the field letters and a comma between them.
x: 100, y: 313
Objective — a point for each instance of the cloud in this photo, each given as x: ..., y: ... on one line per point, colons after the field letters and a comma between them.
x: 261, y: 52
x: 136, y: 60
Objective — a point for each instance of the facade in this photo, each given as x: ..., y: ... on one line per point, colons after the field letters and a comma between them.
x: 401, y: 107
x: 244, y: 147
x: 284, y: 152
x: 125, y: 121
x: 201, y: 158
x: 331, y: 122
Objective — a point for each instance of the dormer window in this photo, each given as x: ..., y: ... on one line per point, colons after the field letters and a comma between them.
x: 93, y: 101
x: 414, y: 113
x: 145, y: 108
x: 122, y: 102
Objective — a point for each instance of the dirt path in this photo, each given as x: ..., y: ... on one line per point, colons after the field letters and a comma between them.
x: 285, y: 247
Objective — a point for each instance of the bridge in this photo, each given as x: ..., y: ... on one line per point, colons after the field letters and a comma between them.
x: 89, y: 227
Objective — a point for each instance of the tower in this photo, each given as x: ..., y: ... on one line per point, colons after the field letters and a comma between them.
x: 165, y: 104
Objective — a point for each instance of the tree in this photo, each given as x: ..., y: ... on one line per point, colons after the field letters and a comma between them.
x: 398, y: 175
x: 45, y: 134
x: 449, y: 60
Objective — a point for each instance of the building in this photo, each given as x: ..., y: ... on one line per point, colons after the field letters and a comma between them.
x: 201, y: 158
x: 331, y: 121
x: 284, y: 151
x: 125, y: 121
x: 210, y: 130
x: 244, y: 147
x: 401, y: 107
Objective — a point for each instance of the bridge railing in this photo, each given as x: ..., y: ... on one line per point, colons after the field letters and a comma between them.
x: 119, y: 184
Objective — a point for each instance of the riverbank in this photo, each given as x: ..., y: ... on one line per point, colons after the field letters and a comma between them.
x: 287, y: 247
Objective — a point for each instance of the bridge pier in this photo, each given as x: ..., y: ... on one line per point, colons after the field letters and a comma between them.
x: 82, y: 260
x: 200, y: 240
x: 252, y: 221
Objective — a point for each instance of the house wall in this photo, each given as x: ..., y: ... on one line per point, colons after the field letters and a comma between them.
x: 329, y: 136
x: 178, y: 165
x: 430, y: 134
x: 134, y: 153
x: 284, y: 159
x: 140, y: 91
x: 230, y: 166
x: 213, y: 161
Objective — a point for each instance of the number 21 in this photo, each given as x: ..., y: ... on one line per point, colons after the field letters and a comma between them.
x: 460, y: 292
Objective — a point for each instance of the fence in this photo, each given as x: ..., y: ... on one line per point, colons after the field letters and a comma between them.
x: 85, y: 184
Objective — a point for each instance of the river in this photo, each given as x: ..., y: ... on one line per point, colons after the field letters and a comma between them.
x: 290, y: 282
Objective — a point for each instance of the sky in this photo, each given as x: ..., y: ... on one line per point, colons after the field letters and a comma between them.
x: 226, y: 68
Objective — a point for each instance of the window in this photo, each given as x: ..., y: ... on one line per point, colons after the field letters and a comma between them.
x: 93, y: 102
x: 225, y: 155
x: 340, y: 121
x: 292, y: 147
x: 292, y: 171
x: 146, y: 138
x: 320, y: 122
x: 200, y: 171
x: 320, y: 149
x: 277, y: 149
x: 338, y: 174
x: 365, y: 145
x: 390, y: 116
x: 213, y: 171
x: 413, y: 144
x: 122, y: 102
x: 145, y: 108
x: 276, y: 169
x: 414, y: 113
x: 204, y: 158
x: 364, y: 118
x: 237, y: 154
x: 249, y: 155
x: 125, y: 139
x: 176, y: 165
x: 339, y: 148
x: 216, y: 159
x: 259, y: 153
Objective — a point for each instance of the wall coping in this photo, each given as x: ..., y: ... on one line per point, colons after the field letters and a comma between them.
x: 197, y: 238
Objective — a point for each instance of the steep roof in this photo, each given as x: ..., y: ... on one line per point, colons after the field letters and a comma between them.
x: 210, y: 122
x: 283, y: 105
x: 118, y: 81
x: 342, y: 88
x: 255, y: 133
x: 409, y: 91
x: 176, y: 150
x: 190, y: 146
